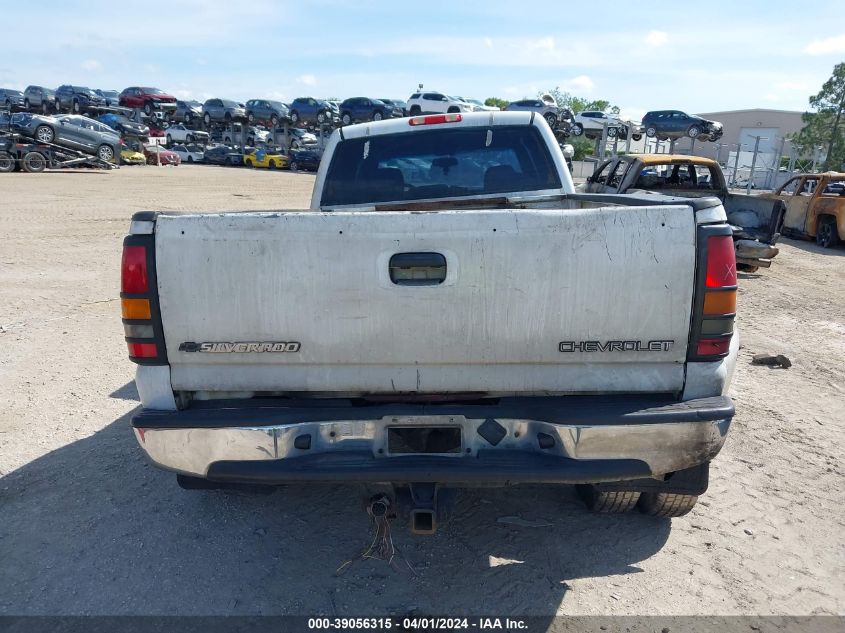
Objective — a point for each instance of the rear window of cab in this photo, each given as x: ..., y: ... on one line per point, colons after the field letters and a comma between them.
x: 439, y: 163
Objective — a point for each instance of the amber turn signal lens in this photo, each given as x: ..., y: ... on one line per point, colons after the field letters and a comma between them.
x: 135, y: 308
x: 716, y: 303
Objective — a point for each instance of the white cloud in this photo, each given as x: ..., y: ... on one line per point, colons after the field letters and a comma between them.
x: 91, y: 65
x: 488, y: 42
x: 656, y: 38
x: 579, y: 85
x: 828, y: 46
x: 307, y: 80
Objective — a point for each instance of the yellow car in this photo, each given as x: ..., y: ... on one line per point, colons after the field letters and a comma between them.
x: 264, y: 158
x: 131, y: 157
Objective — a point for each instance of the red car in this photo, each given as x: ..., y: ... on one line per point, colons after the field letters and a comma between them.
x: 165, y: 156
x: 150, y: 99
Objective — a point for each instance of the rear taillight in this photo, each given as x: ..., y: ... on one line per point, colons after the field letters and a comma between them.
x: 714, y: 307
x: 431, y: 119
x: 139, y: 302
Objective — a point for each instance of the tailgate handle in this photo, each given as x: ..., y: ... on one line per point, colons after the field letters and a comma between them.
x: 417, y: 269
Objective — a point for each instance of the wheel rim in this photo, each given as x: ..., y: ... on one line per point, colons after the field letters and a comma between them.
x: 347, y: 119
x: 44, y: 134
x: 578, y: 129
x: 294, y: 117
x: 106, y: 153
x: 693, y: 132
x: 551, y: 121
x: 377, y: 116
x: 321, y: 117
x: 611, y: 132
x: 6, y: 163
x: 76, y: 107
x: 651, y: 132
x: 294, y: 166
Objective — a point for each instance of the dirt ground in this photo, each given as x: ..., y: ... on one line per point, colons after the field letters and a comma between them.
x: 88, y: 527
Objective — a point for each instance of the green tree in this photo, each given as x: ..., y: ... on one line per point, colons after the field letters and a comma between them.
x: 496, y: 102
x: 825, y: 126
x: 579, y: 104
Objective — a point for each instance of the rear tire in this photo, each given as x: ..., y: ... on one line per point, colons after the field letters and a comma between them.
x: 666, y: 504
x: 551, y: 119
x: 45, y: 134
x: 577, y: 129
x: 7, y: 163
x: 826, y: 234
x: 294, y: 166
x: 106, y: 153
x: 607, y: 502
x: 612, y: 132
x: 346, y: 119
x: 34, y: 162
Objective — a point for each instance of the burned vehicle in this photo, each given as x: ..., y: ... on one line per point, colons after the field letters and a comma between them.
x: 756, y: 221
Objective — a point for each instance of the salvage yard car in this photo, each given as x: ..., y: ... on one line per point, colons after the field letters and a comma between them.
x: 549, y: 110
x: 78, y: 99
x: 267, y: 111
x: 12, y: 99
x: 815, y: 207
x: 223, y: 155
x: 304, y: 160
x: 756, y: 221
x: 222, y: 111
x: 592, y: 123
x: 180, y: 133
x: 310, y: 110
x: 158, y: 155
x: 149, y: 100
x: 40, y: 98
x: 189, y: 153
x: 71, y: 131
x: 129, y: 156
x: 446, y: 314
x: 265, y: 158
x: 435, y: 102
x: 359, y: 109
x: 124, y: 125
x: 670, y: 124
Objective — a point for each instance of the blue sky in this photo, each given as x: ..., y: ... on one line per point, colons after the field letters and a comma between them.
x: 699, y: 56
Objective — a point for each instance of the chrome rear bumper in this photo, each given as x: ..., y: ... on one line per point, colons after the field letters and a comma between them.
x: 566, y: 440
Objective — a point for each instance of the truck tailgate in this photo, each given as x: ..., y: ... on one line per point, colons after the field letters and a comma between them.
x: 541, y: 301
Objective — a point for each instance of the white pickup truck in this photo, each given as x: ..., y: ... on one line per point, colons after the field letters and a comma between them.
x: 448, y: 313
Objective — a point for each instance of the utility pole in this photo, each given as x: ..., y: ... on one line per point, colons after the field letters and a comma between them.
x: 736, y: 162
x: 757, y: 140
x: 776, y: 166
x: 793, y: 156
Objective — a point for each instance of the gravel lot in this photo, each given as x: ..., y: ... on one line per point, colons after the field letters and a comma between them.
x: 88, y: 527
